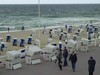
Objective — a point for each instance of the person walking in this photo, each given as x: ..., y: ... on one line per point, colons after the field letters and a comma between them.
x: 50, y: 33
x: 23, y: 28
x: 65, y: 55
x: 91, y: 65
x: 44, y: 29
x: 73, y: 59
x: 8, y: 29
x: 59, y: 57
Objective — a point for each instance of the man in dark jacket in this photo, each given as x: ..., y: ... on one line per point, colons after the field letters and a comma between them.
x: 65, y: 55
x: 91, y: 65
x: 73, y: 58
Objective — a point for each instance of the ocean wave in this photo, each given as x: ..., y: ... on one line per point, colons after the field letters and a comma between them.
x: 16, y: 16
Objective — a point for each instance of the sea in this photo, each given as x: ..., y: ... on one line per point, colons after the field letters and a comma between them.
x: 17, y: 15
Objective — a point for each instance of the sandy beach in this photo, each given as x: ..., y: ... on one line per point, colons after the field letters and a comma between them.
x: 20, y: 35
x: 35, y: 35
x: 24, y: 35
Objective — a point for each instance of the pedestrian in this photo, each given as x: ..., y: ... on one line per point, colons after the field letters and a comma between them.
x: 66, y: 26
x: 91, y: 65
x: 23, y: 28
x: 8, y: 29
x: 57, y: 54
x: 59, y: 57
x: 73, y: 59
x: 50, y: 33
x: 44, y: 29
x: 65, y: 55
x: 90, y: 21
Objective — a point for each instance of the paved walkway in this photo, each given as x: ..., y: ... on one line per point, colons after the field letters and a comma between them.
x: 50, y: 68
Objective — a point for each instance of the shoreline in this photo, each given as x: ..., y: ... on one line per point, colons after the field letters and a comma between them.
x: 49, y: 27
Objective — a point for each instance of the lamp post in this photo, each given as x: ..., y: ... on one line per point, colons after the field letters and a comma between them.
x: 39, y: 19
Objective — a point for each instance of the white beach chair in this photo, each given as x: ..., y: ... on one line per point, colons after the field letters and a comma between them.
x: 33, y: 55
x: 84, y: 44
x: 49, y: 52
x: 13, y: 60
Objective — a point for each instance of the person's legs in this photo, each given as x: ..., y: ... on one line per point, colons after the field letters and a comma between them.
x: 60, y: 63
x: 73, y: 67
x: 65, y: 62
x: 60, y: 66
x: 90, y: 73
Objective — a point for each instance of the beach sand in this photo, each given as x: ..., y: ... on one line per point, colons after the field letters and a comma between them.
x: 25, y: 34
x: 18, y: 34
x: 35, y: 35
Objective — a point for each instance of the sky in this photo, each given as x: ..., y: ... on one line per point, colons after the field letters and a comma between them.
x: 50, y: 1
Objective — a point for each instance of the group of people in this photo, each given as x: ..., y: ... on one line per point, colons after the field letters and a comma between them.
x: 73, y: 59
x: 22, y: 28
x: 64, y: 54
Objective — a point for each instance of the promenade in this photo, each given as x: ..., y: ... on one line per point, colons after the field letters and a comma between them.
x: 51, y: 68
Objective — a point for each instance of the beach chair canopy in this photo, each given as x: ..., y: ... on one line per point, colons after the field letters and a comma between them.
x: 33, y: 50
x: 72, y: 43
x: 85, y: 41
x: 12, y: 55
x: 50, y: 48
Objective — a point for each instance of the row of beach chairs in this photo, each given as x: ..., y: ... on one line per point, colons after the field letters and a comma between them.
x: 22, y: 41
x: 15, y: 42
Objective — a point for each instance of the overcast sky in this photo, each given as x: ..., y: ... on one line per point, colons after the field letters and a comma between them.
x: 49, y: 1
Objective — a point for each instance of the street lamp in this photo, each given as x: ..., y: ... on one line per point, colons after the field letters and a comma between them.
x: 39, y: 19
